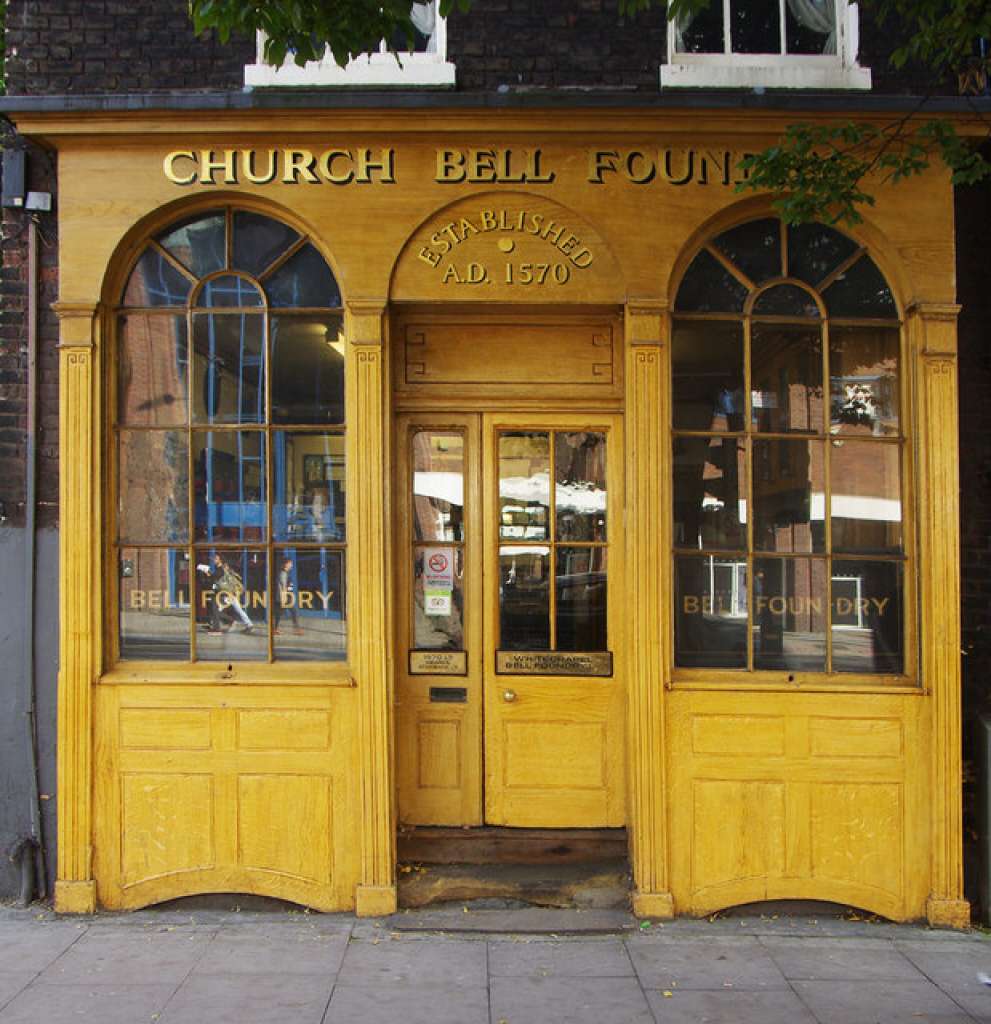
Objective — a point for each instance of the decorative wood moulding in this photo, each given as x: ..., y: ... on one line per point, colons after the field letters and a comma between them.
x: 645, y: 321
x: 937, y: 324
x: 366, y: 320
x: 76, y: 324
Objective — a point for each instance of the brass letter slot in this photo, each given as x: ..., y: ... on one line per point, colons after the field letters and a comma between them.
x: 448, y: 695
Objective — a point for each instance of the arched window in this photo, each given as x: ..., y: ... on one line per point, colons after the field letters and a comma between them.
x: 789, y: 541
x: 229, y: 446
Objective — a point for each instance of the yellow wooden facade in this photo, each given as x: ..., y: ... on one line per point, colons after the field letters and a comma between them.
x: 289, y: 780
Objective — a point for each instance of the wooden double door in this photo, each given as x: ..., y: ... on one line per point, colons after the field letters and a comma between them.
x: 510, y: 698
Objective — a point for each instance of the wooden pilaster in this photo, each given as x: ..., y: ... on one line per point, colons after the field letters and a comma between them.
x: 79, y: 600
x: 648, y: 575
x: 369, y: 628
x: 932, y: 331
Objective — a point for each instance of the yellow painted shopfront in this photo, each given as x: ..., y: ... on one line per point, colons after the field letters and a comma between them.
x: 499, y: 468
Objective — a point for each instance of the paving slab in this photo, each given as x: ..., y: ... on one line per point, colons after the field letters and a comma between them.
x: 36, y: 944
x: 111, y: 956
x: 840, y: 960
x: 568, y: 1001
x: 288, y: 950
x: 695, y: 1007
x: 879, y: 1002
x: 953, y: 968
x: 11, y: 981
x: 413, y: 961
x: 71, y: 1004
x: 249, y: 999
x: 704, y: 963
x: 569, y: 958
x: 419, y: 1004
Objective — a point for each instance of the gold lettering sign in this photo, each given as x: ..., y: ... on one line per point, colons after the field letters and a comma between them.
x: 553, y: 663
x: 138, y: 600
x: 564, y: 251
x: 694, y: 604
x: 438, y: 663
x: 665, y: 166
x: 360, y: 166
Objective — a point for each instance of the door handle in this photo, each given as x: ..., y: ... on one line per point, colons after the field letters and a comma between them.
x: 509, y: 696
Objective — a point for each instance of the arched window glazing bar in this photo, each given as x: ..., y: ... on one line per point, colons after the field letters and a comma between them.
x: 789, y: 534
x: 230, y: 526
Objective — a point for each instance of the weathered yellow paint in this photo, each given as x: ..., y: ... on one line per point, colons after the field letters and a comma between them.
x: 281, y: 779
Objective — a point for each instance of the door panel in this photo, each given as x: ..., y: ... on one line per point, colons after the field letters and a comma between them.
x: 509, y: 686
x: 439, y: 634
x: 554, y: 735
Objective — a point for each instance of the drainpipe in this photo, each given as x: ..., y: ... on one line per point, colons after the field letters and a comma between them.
x: 31, y: 848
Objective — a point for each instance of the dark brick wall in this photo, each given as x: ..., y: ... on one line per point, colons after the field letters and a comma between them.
x: 13, y: 353
x: 973, y: 220
x: 93, y: 46
x: 556, y: 43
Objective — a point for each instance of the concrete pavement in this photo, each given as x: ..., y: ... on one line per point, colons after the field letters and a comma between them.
x: 482, y: 966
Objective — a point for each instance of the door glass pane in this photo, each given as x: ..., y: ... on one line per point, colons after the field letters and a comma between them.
x: 438, y: 485
x: 710, y: 505
x: 308, y: 620
x: 307, y: 369
x: 524, y: 486
x: 154, y: 604
x: 153, y: 487
x: 153, y: 378
x: 789, y: 496
x: 438, y: 598
x: 580, y: 580
x: 231, y: 604
x: 863, y: 380
x: 865, y: 500
x: 580, y: 486
x: 707, y: 367
x: 524, y: 598
x: 229, y: 485
x: 710, y: 624
x: 867, y: 616
x: 786, y: 375
x: 790, y: 612
x: 309, y: 503
x: 228, y: 368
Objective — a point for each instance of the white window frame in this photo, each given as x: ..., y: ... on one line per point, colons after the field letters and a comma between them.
x: 838, y: 70
x: 429, y: 69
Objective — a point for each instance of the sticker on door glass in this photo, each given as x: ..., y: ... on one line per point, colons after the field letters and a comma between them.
x: 438, y: 580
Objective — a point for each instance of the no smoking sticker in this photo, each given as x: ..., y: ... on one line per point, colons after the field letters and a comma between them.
x: 438, y: 580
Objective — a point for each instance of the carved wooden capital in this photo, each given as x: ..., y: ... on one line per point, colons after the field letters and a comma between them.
x: 76, y: 324
x: 947, y: 311
x: 645, y: 321
x: 366, y: 320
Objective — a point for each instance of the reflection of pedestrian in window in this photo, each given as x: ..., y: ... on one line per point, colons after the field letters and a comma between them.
x: 287, y: 597
x: 227, y: 590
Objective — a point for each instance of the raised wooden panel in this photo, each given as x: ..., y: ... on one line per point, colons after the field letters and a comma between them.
x: 856, y: 737
x: 738, y: 734
x: 283, y: 730
x: 739, y: 831
x: 164, y: 729
x: 532, y: 354
x: 439, y: 753
x: 813, y: 800
x: 857, y: 834
x: 554, y: 755
x: 285, y: 825
x: 166, y: 825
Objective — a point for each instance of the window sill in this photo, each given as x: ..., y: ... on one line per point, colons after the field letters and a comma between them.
x: 783, y: 73
x: 382, y: 70
x: 144, y: 673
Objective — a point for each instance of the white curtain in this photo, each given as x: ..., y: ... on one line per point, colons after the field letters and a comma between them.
x: 819, y: 16
x: 424, y: 18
